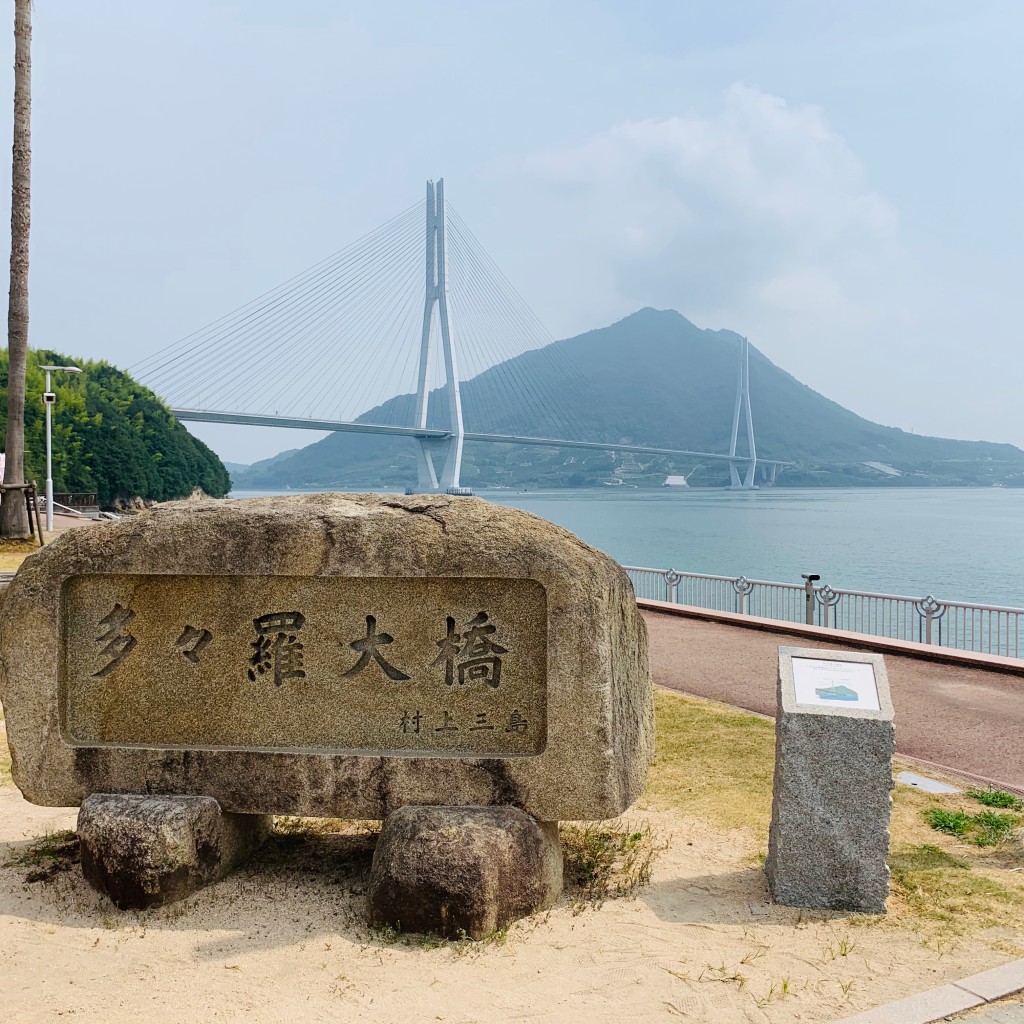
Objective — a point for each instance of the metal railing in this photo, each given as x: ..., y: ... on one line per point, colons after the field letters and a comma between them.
x: 989, y: 629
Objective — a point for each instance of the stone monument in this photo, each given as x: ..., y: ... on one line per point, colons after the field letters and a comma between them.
x: 831, y: 801
x: 342, y: 655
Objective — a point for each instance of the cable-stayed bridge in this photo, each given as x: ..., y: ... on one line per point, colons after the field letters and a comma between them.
x: 394, y: 324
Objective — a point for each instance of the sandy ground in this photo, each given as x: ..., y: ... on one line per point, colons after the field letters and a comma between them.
x: 739, y: 666
x: 283, y: 940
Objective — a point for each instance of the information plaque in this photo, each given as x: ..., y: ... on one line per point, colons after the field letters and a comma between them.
x: 840, y: 684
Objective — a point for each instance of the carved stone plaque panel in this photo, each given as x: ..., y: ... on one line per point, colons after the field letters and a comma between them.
x: 339, y: 655
x: 367, y: 665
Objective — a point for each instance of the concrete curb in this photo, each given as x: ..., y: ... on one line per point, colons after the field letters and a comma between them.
x: 941, y: 1002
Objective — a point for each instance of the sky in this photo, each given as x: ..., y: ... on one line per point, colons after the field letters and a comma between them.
x: 840, y: 182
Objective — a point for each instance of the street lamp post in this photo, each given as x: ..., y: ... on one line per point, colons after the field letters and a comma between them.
x: 49, y: 399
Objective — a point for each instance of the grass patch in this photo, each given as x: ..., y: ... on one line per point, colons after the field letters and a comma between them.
x: 926, y: 857
x: 10, y: 546
x: 14, y: 552
x: 987, y: 828
x: 605, y: 860
x: 994, y: 828
x: 47, y: 856
x: 953, y: 823
x: 997, y: 798
x: 713, y: 762
x: 939, y: 887
x: 943, y: 878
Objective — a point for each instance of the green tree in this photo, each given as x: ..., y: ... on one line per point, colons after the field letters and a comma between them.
x: 112, y: 436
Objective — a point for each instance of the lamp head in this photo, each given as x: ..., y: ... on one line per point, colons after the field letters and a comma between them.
x: 62, y: 369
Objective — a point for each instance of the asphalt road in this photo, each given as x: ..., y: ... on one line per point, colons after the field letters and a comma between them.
x: 967, y: 719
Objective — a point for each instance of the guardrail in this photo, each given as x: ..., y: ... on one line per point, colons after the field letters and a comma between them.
x: 989, y: 629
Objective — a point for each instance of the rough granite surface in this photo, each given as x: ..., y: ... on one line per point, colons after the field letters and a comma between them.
x: 455, y: 871
x: 829, y: 839
x: 94, y: 704
x: 146, y: 851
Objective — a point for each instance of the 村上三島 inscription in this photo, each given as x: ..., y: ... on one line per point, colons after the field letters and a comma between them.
x: 447, y: 665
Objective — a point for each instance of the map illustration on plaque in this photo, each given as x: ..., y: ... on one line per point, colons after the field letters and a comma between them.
x: 837, y: 693
x: 840, y: 685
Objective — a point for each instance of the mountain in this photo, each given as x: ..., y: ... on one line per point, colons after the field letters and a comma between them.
x: 236, y: 470
x: 651, y: 379
x: 111, y: 436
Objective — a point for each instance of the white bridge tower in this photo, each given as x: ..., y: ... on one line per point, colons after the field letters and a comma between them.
x: 743, y: 405
x: 440, y: 459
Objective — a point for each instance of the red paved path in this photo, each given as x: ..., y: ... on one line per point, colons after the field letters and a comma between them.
x: 968, y: 719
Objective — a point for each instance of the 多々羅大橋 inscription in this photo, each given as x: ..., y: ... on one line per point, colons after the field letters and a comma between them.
x: 312, y: 663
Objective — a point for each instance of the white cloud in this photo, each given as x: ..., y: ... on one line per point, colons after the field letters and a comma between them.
x: 757, y: 216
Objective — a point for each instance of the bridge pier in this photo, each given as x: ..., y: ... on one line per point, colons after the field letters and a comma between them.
x: 438, y: 464
x: 748, y: 482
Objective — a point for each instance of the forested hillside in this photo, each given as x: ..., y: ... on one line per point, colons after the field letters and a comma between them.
x: 651, y: 379
x: 111, y: 435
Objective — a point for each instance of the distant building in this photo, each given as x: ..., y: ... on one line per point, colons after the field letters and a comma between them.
x: 675, y: 481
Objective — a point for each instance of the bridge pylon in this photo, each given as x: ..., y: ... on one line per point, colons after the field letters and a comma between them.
x: 439, y: 462
x: 748, y: 482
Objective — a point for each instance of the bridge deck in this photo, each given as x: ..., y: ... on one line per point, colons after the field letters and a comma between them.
x: 303, y: 423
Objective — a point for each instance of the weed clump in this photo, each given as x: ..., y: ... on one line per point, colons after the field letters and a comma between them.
x: 997, y: 798
x: 605, y: 860
x: 993, y: 828
x: 987, y: 828
x: 47, y: 856
x: 954, y: 823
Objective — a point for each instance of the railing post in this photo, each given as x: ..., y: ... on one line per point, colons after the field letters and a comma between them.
x: 672, y: 579
x: 827, y: 598
x: 931, y: 611
x: 809, y: 578
x: 743, y: 587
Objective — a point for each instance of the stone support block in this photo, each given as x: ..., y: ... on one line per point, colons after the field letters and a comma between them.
x: 145, y: 851
x: 834, y: 743
x: 455, y: 871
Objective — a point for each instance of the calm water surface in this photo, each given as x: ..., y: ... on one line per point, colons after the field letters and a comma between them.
x: 961, y: 544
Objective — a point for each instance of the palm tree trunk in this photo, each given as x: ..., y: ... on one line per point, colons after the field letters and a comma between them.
x: 13, y: 516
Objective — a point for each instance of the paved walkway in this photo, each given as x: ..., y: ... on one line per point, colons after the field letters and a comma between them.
x: 1009, y: 1012
x: 967, y: 719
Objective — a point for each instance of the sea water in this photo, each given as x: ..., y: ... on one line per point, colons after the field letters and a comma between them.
x: 963, y: 544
